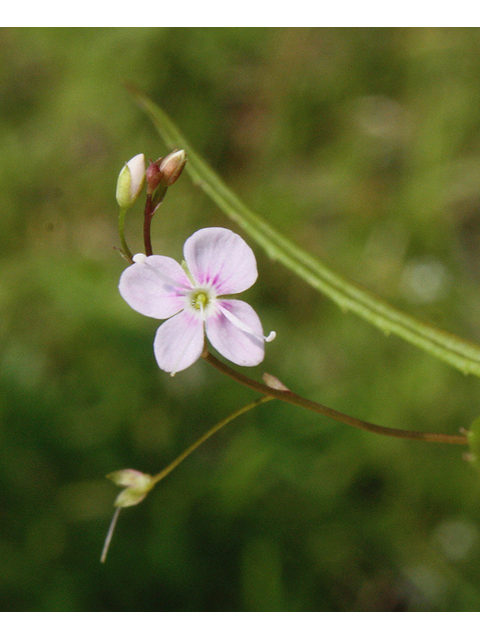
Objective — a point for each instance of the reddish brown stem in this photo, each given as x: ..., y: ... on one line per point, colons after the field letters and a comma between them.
x: 147, y: 224
x: 293, y: 398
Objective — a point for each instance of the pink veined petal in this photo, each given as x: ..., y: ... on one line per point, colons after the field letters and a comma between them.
x: 238, y: 345
x: 220, y: 258
x: 155, y: 287
x: 179, y: 342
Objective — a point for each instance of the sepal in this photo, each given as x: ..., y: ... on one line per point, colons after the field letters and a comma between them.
x: 137, y: 485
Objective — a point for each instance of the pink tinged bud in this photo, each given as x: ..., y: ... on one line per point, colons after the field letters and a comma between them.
x: 130, y: 181
x: 172, y: 166
x: 153, y: 176
x: 137, y: 485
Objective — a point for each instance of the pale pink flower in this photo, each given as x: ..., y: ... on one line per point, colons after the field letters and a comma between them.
x: 218, y: 263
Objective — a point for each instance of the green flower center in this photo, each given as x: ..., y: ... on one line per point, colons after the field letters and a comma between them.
x: 200, y: 299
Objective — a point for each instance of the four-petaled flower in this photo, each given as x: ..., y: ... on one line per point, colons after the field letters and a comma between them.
x: 218, y: 263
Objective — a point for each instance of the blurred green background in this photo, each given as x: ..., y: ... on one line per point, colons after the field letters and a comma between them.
x: 361, y: 145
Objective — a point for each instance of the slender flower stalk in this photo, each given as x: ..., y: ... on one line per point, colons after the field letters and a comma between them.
x: 127, y: 254
x: 208, y: 434
x: 108, y: 539
x: 139, y: 484
x: 148, y: 214
x: 299, y: 401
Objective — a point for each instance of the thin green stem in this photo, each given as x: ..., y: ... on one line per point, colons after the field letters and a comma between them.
x: 109, y: 537
x: 160, y: 476
x: 121, y: 232
x: 208, y: 434
x: 293, y: 398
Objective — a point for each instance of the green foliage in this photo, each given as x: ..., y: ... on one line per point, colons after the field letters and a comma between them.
x: 360, y: 145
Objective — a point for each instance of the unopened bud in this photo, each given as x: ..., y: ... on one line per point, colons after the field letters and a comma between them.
x: 130, y: 181
x: 274, y: 383
x: 172, y: 166
x: 153, y: 176
x: 137, y: 485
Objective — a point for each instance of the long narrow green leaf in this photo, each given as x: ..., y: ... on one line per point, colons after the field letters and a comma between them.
x: 459, y: 353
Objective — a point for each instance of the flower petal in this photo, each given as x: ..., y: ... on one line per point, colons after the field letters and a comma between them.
x: 155, y: 287
x: 241, y: 346
x: 220, y: 258
x: 179, y: 342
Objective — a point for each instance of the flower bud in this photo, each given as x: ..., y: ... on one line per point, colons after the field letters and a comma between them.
x: 273, y: 382
x: 138, y: 485
x: 130, y: 181
x: 153, y: 176
x: 172, y: 166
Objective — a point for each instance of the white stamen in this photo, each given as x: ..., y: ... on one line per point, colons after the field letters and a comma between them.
x: 243, y: 327
x: 139, y: 258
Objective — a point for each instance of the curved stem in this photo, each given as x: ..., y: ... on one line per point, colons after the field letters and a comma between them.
x: 109, y: 537
x: 160, y: 476
x: 207, y: 435
x: 293, y: 398
x: 121, y: 232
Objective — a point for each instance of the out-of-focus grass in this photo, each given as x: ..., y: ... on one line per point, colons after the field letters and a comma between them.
x: 363, y: 145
